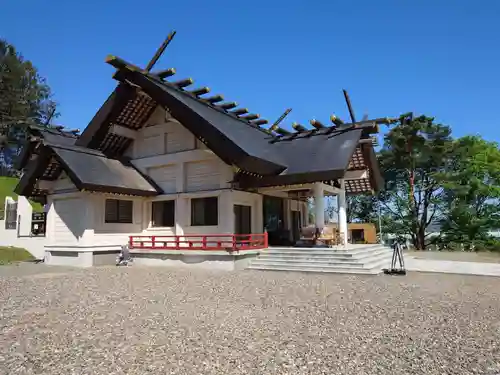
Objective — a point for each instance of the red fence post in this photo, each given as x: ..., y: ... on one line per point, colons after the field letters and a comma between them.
x: 153, y: 242
x: 131, y: 242
x: 266, y: 244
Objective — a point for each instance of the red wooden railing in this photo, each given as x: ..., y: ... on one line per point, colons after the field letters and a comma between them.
x: 209, y: 242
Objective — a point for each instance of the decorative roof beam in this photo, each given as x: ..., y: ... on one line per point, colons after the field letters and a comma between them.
x: 372, y: 141
x: 349, y: 106
x: 59, y: 127
x: 336, y: 121
x: 282, y: 131
x: 200, y: 91
x: 74, y: 131
x: 250, y: 116
x: 228, y: 105
x: 317, y: 124
x: 299, y: 128
x: 160, y: 51
x: 183, y: 83
x: 356, y: 174
x: 259, y: 122
x: 239, y: 111
x: 122, y: 131
x: 370, y: 125
x: 119, y: 63
x: 162, y: 74
x: 214, y: 99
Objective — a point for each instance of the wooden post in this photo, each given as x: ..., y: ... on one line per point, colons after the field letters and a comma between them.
x: 160, y: 51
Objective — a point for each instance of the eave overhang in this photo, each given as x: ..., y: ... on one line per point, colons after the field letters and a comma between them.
x: 188, y: 111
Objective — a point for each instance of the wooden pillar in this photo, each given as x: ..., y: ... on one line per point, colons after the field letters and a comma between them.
x: 342, y: 212
x: 319, y: 205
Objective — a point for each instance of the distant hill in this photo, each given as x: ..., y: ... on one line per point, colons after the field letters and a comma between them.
x: 7, y: 186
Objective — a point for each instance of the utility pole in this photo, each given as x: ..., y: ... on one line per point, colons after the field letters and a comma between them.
x: 380, y: 226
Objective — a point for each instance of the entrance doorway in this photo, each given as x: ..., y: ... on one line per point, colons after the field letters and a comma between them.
x: 242, y: 219
x: 274, y: 221
x: 296, y: 225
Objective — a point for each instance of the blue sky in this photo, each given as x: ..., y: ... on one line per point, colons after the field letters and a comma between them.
x: 439, y: 58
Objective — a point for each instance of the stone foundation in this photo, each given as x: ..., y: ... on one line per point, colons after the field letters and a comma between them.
x: 77, y: 256
x: 219, y: 260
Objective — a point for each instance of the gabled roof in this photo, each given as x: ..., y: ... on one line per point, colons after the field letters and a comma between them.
x: 263, y: 157
x: 236, y: 140
x: 88, y: 170
x: 53, y: 134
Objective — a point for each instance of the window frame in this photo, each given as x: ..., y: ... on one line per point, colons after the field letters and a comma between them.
x: 117, y: 219
x: 162, y: 202
x: 208, y: 221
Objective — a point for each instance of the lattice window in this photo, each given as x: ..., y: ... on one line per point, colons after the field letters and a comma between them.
x: 357, y: 160
x: 358, y: 186
x: 136, y: 112
x: 114, y: 144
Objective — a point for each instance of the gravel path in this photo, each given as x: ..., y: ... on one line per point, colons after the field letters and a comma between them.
x: 163, y: 321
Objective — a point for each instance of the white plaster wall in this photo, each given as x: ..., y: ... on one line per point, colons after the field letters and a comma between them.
x: 114, y: 233
x: 164, y: 148
x: 20, y: 238
x: 162, y: 134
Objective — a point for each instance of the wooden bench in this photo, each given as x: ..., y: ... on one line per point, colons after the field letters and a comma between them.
x: 329, y: 236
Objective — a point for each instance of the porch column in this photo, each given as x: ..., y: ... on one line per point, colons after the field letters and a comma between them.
x: 319, y: 205
x: 342, y: 211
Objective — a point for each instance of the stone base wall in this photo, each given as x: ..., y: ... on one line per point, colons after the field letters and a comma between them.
x: 178, y: 259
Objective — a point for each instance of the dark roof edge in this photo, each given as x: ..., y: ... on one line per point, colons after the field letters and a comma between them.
x: 118, y: 190
x: 376, y: 179
x: 34, y: 171
x: 292, y: 179
x: 105, y: 188
x: 95, y: 130
x: 127, y: 162
x: 218, y: 142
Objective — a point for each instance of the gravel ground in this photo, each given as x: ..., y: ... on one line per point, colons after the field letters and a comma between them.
x: 163, y: 321
x: 457, y: 256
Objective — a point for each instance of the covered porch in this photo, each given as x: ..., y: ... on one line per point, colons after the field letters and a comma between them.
x: 296, y: 222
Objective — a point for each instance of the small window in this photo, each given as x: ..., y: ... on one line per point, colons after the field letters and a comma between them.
x: 204, y: 211
x: 163, y: 214
x: 357, y: 236
x: 118, y: 211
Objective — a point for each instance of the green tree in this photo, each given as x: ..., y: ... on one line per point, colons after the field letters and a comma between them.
x: 414, y: 149
x: 362, y: 208
x: 471, y: 184
x: 25, y: 98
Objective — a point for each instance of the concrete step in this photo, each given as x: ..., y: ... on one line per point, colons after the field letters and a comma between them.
x: 377, y: 256
x: 369, y: 259
x: 324, y: 257
x: 374, y: 263
x: 357, y: 271
x: 348, y: 253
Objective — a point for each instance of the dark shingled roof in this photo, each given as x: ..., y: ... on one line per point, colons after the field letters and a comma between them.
x: 234, y: 140
x: 92, y: 170
x: 54, y: 135
x: 263, y: 157
x: 318, y: 153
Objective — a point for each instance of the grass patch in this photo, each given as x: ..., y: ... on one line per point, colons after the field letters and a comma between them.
x: 7, y: 185
x: 9, y: 255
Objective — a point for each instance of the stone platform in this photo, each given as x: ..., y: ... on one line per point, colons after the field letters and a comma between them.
x: 353, y: 259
